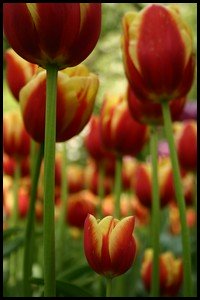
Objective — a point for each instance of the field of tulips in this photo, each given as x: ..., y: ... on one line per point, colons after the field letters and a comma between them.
x: 99, y: 150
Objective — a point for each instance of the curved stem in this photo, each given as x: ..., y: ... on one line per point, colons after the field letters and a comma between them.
x: 49, y: 182
x: 108, y: 287
x: 63, y: 209
x: 16, y: 179
x: 118, y: 185
x: 187, y: 285
x: 155, y: 281
x: 29, y: 233
x: 101, y: 187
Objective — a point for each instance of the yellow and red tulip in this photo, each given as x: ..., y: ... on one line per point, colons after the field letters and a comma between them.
x: 9, y: 165
x: 109, y: 244
x: 120, y: 132
x: 158, y: 53
x: 42, y: 33
x: 151, y: 113
x: 170, y: 270
x: 128, y: 171
x: 18, y: 72
x: 79, y: 206
x: 16, y: 140
x: 75, y: 101
x: 186, y: 144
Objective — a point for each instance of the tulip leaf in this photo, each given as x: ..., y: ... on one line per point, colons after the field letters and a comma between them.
x: 63, y: 288
x: 75, y: 272
x: 10, y: 231
x: 12, y: 245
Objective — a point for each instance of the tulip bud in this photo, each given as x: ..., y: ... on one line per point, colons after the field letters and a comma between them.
x: 9, y: 165
x: 120, y: 132
x: 23, y: 203
x: 129, y: 168
x: 16, y: 141
x: 18, y: 72
x: 186, y: 144
x: 75, y: 101
x: 62, y: 34
x: 109, y: 245
x: 93, y: 142
x: 158, y: 53
x: 170, y: 270
x: 79, y: 206
x: 75, y: 178
x: 151, y: 113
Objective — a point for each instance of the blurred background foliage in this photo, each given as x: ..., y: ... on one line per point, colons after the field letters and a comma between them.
x: 106, y: 62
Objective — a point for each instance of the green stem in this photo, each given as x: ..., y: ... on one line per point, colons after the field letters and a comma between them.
x: 49, y: 182
x: 63, y: 208
x: 29, y: 233
x: 108, y: 287
x: 101, y: 187
x: 187, y: 285
x: 155, y: 282
x: 16, y: 179
x: 118, y: 185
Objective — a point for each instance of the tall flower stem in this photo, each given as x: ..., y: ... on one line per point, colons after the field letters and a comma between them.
x: 49, y: 181
x: 16, y: 180
x: 101, y: 187
x: 29, y: 233
x: 155, y: 212
x: 63, y: 209
x: 118, y: 185
x: 187, y: 285
x: 108, y: 287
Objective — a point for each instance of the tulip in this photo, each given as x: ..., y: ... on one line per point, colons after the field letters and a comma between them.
x: 75, y: 101
x: 170, y: 269
x: 158, y: 53
x: 186, y: 144
x: 120, y: 133
x: 16, y: 141
x: 129, y: 167
x: 109, y: 245
x: 75, y: 178
x: 23, y: 203
x: 52, y: 33
x: 151, y: 113
x: 18, y: 72
x: 189, y: 111
x: 79, y: 206
x: 9, y: 165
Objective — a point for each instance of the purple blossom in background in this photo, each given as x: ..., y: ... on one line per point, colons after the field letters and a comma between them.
x: 163, y: 149
x: 189, y: 111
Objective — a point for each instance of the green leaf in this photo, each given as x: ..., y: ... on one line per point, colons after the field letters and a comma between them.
x: 75, y: 272
x: 11, y: 246
x: 63, y: 288
x: 9, y: 232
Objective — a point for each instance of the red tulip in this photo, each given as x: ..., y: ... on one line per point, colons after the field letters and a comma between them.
x: 23, y: 203
x: 186, y: 144
x: 9, y: 165
x: 18, y: 72
x: 79, y: 206
x: 94, y: 144
x: 75, y: 101
x: 16, y: 141
x: 129, y: 168
x: 109, y: 245
x: 158, y: 53
x: 151, y: 113
x: 120, y: 133
x: 62, y: 34
x: 75, y: 178
x: 170, y: 269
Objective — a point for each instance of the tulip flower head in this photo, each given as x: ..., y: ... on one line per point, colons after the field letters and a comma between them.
x: 75, y: 101
x: 170, y: 269
x: 18, y: 72
x: 158, y: 53
x: 109, y: 245
x: 52, y: 33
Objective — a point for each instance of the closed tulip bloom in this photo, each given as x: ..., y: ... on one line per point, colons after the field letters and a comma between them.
x: 151, y: 113
x: 109, y: 245
x: 18, y: 72
x: 120, y: 132
x: 129, y: 168
x: 75, y: 102
x: 186, y: 144
x: 61, y: 34
x: 94, y: 143
x: 79, y: 206
x: 16, y: 140
x: 9, y: 165
x: 158, y: 53
x: 75, y: 178
x: 170, y: 270
x: 23, y: 203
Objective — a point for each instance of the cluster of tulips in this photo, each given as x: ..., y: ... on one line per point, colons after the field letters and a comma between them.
x: 115, y: 190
